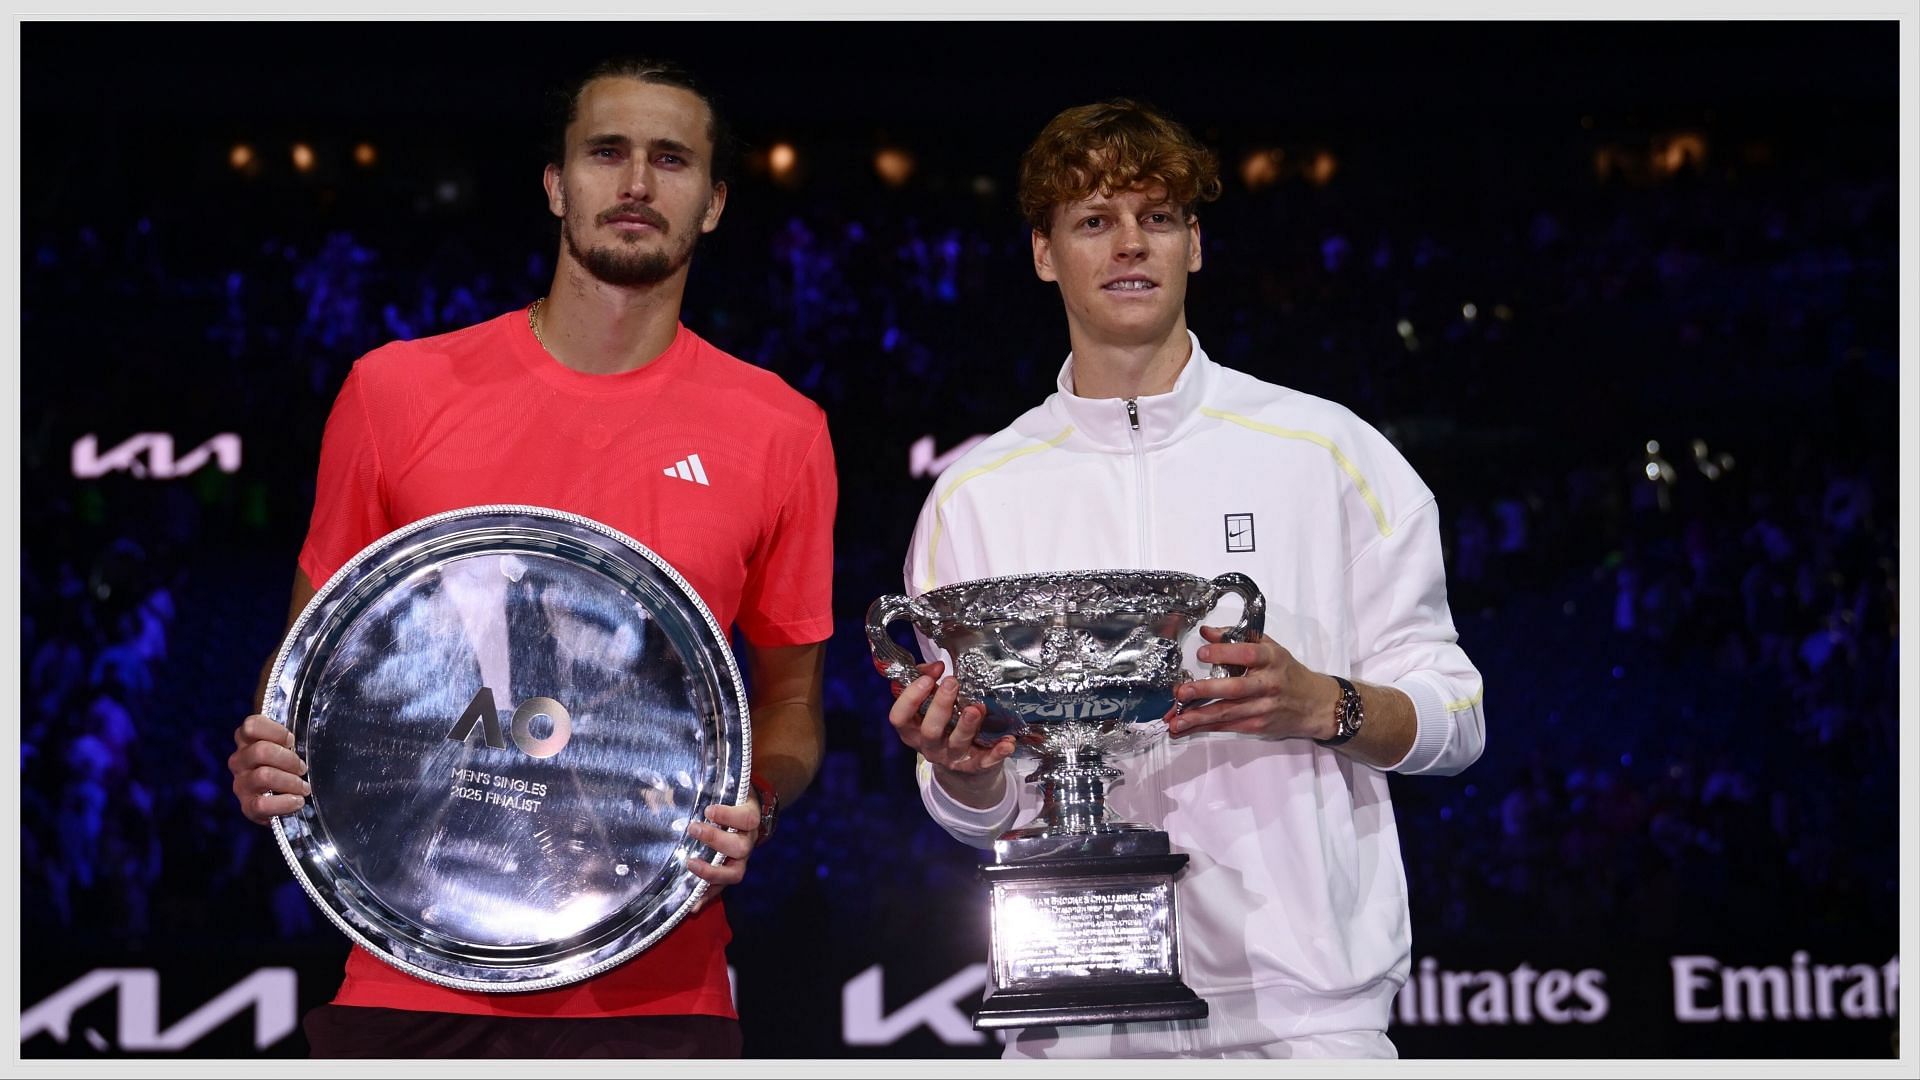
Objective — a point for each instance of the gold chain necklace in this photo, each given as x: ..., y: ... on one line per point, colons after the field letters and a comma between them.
x: 533, y: 323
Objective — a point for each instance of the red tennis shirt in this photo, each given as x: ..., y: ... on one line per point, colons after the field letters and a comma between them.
x: 716, y: 465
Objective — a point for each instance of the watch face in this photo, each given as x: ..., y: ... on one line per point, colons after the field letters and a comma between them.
x: 510, y: 716
x: 769, y: 807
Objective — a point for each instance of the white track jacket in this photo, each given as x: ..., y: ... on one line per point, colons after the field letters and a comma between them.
x: 1293, y: 910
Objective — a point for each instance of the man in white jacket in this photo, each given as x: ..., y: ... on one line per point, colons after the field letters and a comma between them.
x: 1294, y: 916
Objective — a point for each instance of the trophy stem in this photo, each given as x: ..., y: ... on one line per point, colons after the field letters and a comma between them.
x: 1073, y: 790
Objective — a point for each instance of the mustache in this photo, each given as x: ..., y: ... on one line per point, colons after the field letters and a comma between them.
x: 640, y: 211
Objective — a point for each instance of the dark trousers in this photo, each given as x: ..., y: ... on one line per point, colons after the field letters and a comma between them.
x: 351, y: 1031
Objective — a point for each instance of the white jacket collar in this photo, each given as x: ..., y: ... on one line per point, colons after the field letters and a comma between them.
x: 1105, y: 422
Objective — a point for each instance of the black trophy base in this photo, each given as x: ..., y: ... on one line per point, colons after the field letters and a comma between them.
x: 1085, y: 932
x: 1089, y: 1005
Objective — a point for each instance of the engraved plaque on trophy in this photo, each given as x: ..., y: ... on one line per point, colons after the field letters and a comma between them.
x: 510, y: 716
x: 1078, y: 667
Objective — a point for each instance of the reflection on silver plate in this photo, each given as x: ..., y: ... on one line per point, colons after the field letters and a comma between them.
x: 510, y: 715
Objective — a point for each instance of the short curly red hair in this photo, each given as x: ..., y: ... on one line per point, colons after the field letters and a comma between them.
x: 1116, y: 145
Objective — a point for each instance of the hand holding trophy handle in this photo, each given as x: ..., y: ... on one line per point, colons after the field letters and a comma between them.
x: 1253, y: 622
x: 900, y: 665
x: 1253, y: 617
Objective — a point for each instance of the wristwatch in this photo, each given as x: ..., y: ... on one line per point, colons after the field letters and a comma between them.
x: 769, y: 808
x: 1347, y: 714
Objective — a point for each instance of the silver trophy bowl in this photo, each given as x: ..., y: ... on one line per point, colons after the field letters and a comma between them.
x: 1075, y: 665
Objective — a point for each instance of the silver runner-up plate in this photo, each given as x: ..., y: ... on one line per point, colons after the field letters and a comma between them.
x: 510, y: 715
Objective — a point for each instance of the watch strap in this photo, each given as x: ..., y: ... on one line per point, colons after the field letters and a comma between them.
x: 769, y: 808
x: 1347, y: 716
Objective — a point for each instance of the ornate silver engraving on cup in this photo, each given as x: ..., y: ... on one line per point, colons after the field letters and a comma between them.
x: 510, y: 716
x: 1072, y: 664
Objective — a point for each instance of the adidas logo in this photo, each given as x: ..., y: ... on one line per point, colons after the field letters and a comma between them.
x: 688, y: 468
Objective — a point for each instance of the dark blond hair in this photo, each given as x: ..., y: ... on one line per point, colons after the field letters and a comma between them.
x: 563, y: 107
x: 1113, y: 146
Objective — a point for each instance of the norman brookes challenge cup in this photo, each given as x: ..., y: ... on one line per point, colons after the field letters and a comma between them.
x: 1075, y: 666
x: 510, y: 715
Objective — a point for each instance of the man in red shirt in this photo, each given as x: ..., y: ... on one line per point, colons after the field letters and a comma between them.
x: 588, y: 401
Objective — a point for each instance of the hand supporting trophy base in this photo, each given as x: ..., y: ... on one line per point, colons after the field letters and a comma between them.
x: 1078, y: 667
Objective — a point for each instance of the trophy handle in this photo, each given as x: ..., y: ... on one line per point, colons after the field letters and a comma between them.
x: 899, y: 663
x: 1253, y: 617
